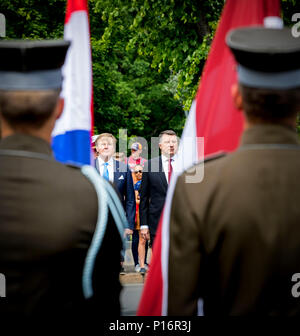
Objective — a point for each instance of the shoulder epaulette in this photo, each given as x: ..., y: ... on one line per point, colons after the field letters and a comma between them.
x: 214, y: 156
x: 73, y: 165
x: 208, y: 158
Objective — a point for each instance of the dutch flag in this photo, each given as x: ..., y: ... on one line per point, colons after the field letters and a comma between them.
x: 71, y: 137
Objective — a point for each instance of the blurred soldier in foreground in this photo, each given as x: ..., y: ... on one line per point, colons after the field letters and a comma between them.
x: 235, y: 248
x: 48, y: 211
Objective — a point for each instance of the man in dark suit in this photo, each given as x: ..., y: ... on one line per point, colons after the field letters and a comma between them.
x: 117, y: 173
x: 48, y: 211
x: 154, y: 186
x: 235, y: 237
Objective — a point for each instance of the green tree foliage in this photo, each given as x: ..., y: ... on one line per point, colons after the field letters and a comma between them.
x: 33, y: 19
x: 289, y: 7
x: 148, y: 55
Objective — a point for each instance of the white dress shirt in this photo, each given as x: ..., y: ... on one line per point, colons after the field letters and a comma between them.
x: 110, y: 167
x: 165, y: 164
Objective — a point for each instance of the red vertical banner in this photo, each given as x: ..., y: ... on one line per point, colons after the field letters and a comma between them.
x: 212, y: 117
x: 217, y: 119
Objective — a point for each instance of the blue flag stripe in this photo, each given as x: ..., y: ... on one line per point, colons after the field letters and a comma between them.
x: 72, y: 147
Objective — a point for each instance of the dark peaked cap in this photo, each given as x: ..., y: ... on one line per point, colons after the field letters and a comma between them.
x: 31, y: 64
x: 267, y: 57
x: 32, y: 55
x: 265, y: 49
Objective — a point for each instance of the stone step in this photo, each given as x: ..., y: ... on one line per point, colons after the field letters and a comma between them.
x: 132, y: 278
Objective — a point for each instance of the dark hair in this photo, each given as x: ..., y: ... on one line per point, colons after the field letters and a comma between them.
x: 270, y: 105
x: 168, y: 132
x: 30, y: 108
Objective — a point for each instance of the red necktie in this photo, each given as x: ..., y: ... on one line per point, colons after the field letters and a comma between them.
x: 170, y: 170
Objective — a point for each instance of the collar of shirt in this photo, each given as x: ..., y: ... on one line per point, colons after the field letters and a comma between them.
x: 110, y: 167
x: 26, y: 142
x: 101, y: 162
x: 166, y: 159
x: 165, y: 164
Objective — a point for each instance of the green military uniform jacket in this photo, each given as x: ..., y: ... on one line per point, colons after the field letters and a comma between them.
x: 235, y: 237
x: 48, y: 213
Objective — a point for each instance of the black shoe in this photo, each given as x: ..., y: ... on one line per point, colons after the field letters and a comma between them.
x: 122, y: 272
x: 143, y: 271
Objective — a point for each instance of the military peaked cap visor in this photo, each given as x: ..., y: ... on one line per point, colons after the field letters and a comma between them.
x: 267, y: 57
x: 32, y: 65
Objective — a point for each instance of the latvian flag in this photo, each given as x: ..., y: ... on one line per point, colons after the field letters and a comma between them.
x: 213, y: 120
x: 71, y: 141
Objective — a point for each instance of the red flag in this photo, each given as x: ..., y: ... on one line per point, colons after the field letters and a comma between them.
x: 212, y: 117
x: 217, y: 120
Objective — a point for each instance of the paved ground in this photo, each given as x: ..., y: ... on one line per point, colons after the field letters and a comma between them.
x: 130, y: 297
x: 132, y: 285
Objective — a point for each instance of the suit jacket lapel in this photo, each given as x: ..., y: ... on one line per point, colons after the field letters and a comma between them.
x: 97, y: 165
x: 162, y: 174
x: 116, y: 171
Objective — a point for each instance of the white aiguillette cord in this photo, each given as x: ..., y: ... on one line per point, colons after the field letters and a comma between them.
x: 107, y: 200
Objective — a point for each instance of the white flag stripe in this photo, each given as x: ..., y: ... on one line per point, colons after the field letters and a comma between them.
x: 77, y: 85
x: 184, y: 161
